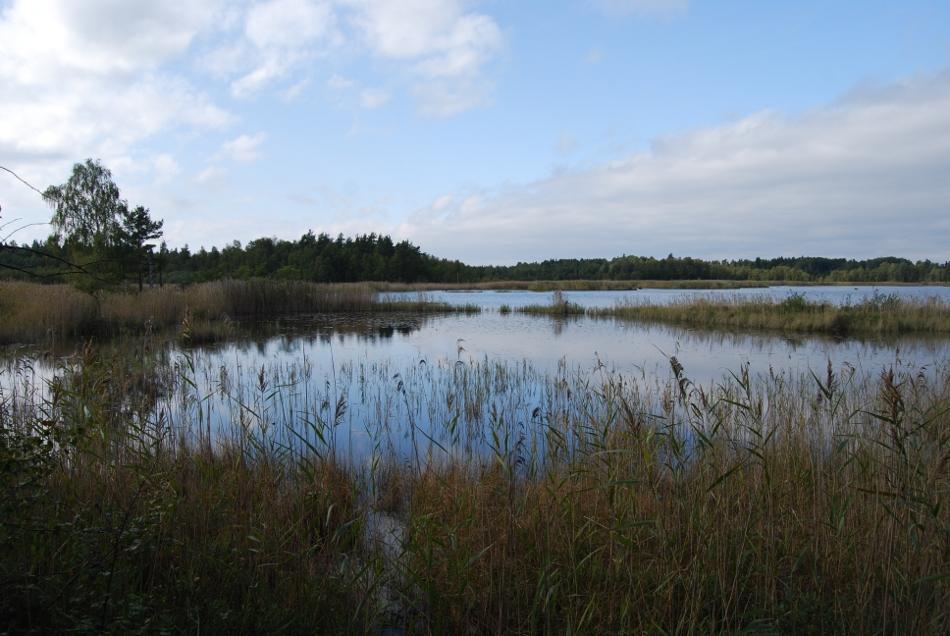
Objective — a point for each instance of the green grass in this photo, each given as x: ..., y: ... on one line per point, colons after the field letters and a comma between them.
x: 777, y: 503
x: 877, y: 316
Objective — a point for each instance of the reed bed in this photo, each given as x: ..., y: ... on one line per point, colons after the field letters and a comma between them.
x: 876, y: 316
x: 29, y: 311
x: 158, y: 491
x: 559, y: 306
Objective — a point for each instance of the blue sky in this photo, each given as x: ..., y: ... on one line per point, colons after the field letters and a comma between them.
x: 496, y: 131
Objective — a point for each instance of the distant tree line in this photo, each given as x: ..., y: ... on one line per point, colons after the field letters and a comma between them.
x: 800, y: 269
x: 372, y: 257
x: 110, y: 242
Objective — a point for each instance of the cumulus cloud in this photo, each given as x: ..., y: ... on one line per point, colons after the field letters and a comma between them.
x: 446, y: 48
x: 438, y: 35
x: 43, y: 38
x: 87, y: 79
x: 863, y: 176
x: 438, y: 46
x: 280, y: 35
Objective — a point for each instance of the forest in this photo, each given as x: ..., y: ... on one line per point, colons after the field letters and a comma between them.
x: 372, y: 257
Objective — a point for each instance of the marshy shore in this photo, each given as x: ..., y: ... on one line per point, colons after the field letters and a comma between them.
x: 790, y: 504
x: 879, y: 315
x: 30, y: 311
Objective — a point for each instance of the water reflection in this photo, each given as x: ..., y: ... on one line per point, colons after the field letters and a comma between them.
x: 321, y: 329
x: 332, y: 340
x: 836, y: 294
x: 366, y: 385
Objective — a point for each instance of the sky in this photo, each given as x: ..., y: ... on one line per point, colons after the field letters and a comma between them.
x: 494, y: 131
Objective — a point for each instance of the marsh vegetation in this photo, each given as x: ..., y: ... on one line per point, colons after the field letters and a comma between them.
x: 29, y: 311
x: 489, y: 497
x: 352, y: 478
x: 878, y: 315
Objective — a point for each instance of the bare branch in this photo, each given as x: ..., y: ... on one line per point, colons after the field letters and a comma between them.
x: 24, y: 181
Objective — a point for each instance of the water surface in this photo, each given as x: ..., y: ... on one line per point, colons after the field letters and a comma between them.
x: 374, y: 384
x: 836, y: 294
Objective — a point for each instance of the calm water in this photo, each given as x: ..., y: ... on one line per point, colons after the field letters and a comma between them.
x: 840, y: 295
x: 395, y: 375
x: 581, y: 343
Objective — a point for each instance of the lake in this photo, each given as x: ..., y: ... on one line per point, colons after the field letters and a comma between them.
x: 836, y: 294
x: 355, y: 380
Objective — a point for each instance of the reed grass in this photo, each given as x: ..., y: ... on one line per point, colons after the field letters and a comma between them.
x: 30, y: 311
x: 525, y: 502
x: 559, y: 306
x: 880, y: 315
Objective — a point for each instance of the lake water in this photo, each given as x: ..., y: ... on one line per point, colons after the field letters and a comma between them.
x: 396, y: 375
x: 836, y: 294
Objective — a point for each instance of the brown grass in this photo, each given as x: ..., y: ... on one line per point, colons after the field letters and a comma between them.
x: 879, y: 315
x: 770, y: 504
x: 28, y: 310
x: 31, y: 312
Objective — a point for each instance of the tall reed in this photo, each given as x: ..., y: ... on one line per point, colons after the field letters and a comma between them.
x: 878, y: 315
x: 30, y: 311
x: 168, y: 494
x: 559, y: 306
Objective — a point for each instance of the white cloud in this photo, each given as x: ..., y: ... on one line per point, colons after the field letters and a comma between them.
x: 448, y: 98
x: 244, y: 148
x: 294, y: 91
x: 340, y: 83
x: 371, y: 98
x: 165, y: 167
x: 280, y: 36
x: 445, y: 46
x: 86, y: 79
x: 209, y: 174
x: 437, y: 47
x: 864, y: 176
x: 643, y: 7
x: 44, y: 37
x: 288, y: 23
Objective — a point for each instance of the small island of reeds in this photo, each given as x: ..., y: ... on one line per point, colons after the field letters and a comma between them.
x: 875, y: 316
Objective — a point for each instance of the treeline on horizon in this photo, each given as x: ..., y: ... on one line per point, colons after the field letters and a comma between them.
x: 372, y: 257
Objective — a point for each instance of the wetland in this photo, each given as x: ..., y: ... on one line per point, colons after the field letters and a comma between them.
x: 374, y: 461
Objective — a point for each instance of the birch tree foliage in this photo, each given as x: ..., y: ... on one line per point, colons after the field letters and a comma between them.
x: 87, y: 209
